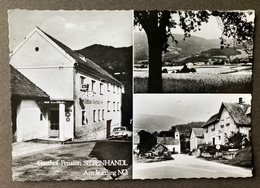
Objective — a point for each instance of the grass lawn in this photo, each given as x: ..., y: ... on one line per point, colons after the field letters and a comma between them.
x: 198, y: 83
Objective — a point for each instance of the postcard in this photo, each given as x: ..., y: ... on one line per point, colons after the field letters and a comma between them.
x: 116, y: 95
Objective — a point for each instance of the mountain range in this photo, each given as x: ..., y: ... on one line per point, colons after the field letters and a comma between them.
x: 189, y: 46
x: 110, y: 58
x: 152, y: 122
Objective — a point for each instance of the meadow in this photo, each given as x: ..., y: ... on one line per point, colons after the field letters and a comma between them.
x: 197, y: 83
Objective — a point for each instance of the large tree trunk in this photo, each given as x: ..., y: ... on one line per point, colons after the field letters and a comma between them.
x: 155, y: 65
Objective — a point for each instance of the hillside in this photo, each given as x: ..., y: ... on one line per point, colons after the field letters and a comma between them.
x: 110, y: 58
x: 221, y: 52
x: 189, y: 46
x: 152, y: 123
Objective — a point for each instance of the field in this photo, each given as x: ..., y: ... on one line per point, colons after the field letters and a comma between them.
x: 197, y: 83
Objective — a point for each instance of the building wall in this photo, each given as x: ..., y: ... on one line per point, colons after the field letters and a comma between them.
x: 220, y: 130
x: 29, y: 122
x: 95, y: 107
x: 48, y: 67
x: 193, y: 141
x: 177, y: 148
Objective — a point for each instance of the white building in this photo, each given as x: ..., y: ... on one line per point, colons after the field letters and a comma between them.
x: 82, y: 100
x: 232, y: 117
x: 196, y: 138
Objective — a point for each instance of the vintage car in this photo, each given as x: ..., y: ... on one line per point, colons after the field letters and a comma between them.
x: 120, y: 132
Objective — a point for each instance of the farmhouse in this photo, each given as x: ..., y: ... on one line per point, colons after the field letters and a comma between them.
x: 196, y: 138
x: 232, y: 117
x: 59, y: 94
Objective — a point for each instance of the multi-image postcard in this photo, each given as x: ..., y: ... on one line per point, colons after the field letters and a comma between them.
x: 114, y: 95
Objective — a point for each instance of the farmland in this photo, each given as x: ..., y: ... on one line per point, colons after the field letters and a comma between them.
x: 219, y: 79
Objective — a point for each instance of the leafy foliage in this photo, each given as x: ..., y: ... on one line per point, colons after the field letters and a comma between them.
x: 235, y: 139
x: 147, y: 141
x: 237, y: 26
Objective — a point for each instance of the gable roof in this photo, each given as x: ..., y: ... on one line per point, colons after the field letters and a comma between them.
x: 198, y: 132
x: 212, y: 119
x: 23, y: 87
x: 238, y: 113
x: 85, y: 65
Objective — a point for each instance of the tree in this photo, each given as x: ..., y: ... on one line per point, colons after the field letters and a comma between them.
x: 159, y: 24
x: 235, y: 140
x: 147, y: 141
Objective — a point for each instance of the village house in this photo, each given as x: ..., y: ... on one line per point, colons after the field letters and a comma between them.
x: 196, y: 138
x: 232, y: 117
x: 59, y: 94
x: 171, y: 142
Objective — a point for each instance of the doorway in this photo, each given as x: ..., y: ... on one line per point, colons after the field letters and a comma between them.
x: 54, y: 123
x: 108, y: 127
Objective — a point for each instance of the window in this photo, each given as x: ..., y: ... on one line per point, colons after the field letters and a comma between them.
x: 94, y: 115
x: 228, y: 121
x: 108, y: 87
x: 82, y: 79
x: 103, y: 114
x: 213, y: 127
x: 93, y: 86
x: 98, y: 115
x: 207, y: 129
x: 114, y: 106
x: 114, y: 88
x: 101, y: 89
x: 41, y: 117
x: 118, y: 106
x: 83, y: 117
x: 108, y: 106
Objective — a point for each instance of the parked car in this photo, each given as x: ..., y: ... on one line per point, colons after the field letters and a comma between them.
x: 120, y: 132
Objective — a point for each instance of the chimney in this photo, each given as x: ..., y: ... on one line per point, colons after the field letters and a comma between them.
x: 240, y: 100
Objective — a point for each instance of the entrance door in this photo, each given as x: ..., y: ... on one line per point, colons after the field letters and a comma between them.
x: 54, y: 123
x: 108, y: 127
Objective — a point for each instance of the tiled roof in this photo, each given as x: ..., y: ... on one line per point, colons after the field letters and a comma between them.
x: 212, y: 119
x: 198, y: 132
x: 87, y: 65
x: 238, y: 113
x: 23, y: 87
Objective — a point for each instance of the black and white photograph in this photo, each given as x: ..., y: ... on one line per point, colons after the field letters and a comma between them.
x: 192, y: 136
x: 196, y: 51
x: 71, y: 94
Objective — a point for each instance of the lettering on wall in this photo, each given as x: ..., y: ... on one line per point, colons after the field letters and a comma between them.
x: 88, y: 101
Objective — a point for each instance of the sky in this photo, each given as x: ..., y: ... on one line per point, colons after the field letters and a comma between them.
x: 210, y: 30
x: 189, y: 107
x: 76, y: 29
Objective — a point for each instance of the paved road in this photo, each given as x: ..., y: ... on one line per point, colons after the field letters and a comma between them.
x: 184, y: 166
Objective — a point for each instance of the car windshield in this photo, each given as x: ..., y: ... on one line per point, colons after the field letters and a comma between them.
x: 119, y: 129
